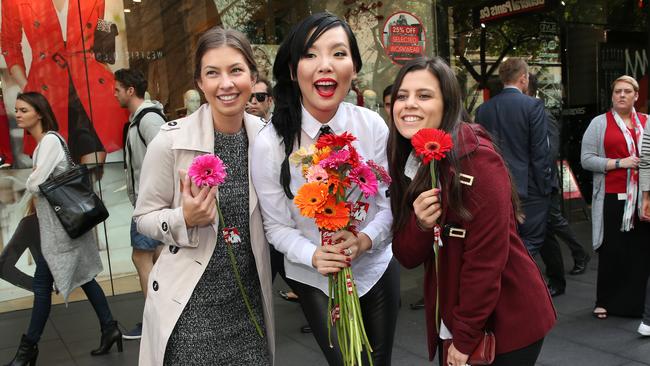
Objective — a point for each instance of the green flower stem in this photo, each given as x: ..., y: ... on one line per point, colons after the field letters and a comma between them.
x: 350, y: 327
x: 436, y: 250
x: 233, y: 263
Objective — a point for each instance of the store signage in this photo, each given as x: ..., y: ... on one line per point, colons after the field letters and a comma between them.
x: 403, y: 37
x: 570, y: 187
x: 505, y: 9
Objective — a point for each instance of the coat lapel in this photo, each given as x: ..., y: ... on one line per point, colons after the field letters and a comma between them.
x: 203, y: 142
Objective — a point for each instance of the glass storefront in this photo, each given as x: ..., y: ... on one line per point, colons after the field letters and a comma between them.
x: 577, y: 48
x: 73, y: 65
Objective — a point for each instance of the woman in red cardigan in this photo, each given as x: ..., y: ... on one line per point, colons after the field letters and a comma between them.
x: 487, y: 279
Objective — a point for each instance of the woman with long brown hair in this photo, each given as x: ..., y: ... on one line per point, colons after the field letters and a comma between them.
x: 194, y: 313
x: 486, y: 276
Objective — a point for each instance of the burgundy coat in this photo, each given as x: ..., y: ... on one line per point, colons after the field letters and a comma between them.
x: 487, y: 279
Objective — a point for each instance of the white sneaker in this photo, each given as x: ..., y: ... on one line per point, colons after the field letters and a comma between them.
x: 644, y: 329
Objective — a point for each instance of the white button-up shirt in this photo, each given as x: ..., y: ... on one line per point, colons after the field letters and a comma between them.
x: 297, y: 236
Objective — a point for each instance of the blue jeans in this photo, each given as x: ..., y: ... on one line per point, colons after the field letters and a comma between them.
x: 42, y: 285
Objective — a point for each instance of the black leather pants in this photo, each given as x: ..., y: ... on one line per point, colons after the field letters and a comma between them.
x: 379, y: 308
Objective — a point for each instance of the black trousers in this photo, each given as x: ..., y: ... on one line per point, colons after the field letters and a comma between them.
x: 623, y: 262
x: 550, y: 252
x: 277, y: 264
x: 533, y: 229
x: 26, y: 236
x: 559, y: 227
x: 526, y: 356
x: 379, y: 308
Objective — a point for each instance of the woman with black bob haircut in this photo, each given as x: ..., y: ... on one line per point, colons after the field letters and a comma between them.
x: 486, y: 276
x: 314, y: 69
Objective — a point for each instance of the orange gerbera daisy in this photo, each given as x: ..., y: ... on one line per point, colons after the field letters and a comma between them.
x: 311, y: 198
x: 336, y: 185
x: 321, y: 154
x: 333, y: 216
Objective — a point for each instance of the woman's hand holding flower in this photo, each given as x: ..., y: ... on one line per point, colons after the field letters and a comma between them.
x: 332, y: 258
x: 328, y: 259
x: 350, y: 245
x: 199, y: 209
x: 427, y: 209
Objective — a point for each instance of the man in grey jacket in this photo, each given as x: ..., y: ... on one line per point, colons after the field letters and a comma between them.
x: 144, y: 123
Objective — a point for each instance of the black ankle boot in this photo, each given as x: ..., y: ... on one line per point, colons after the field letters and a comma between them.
x: 110, y: 334
x: 26, y: 354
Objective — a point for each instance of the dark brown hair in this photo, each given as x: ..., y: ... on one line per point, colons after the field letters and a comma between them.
x: 42, y: 107
x: 131, y: 78
x: 402, y: 191
x: 269, y: 89
x: 218, y: 37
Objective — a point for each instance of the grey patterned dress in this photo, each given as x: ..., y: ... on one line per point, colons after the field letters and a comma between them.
x: 215, y: 327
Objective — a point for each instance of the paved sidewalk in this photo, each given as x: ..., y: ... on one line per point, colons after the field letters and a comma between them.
x: 577, y: 340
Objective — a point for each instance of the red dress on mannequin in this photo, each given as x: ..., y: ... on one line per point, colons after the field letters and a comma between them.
x: 56, y: 63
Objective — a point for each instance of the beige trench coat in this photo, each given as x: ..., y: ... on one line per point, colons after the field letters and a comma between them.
x: 159, y: 215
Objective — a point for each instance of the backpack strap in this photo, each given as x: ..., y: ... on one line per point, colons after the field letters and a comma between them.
x: 136, y: 121
x: 138, y: 117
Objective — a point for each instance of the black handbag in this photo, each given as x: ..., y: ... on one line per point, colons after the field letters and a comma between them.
x: 72, y: 197
x: 104, y: 45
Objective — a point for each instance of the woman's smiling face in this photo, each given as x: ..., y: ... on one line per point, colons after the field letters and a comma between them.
x: 325, y: 74
x: 418, y: 104
x: 226, y: 81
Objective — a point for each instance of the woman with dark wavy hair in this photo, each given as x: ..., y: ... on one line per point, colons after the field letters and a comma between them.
x: 486, y: 276
x: 314, y: 69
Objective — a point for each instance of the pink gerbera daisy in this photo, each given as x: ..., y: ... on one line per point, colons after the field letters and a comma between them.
x: 380, y: 172
x: 335, y: 159
x: 316, y: 173
x: 207, y: 171
x: 364, y: 177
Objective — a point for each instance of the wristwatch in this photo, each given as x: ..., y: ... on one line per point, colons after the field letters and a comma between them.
x: 618, y: 163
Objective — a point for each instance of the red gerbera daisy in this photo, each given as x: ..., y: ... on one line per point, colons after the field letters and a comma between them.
x: 333, y: 140
x: 431, y: 143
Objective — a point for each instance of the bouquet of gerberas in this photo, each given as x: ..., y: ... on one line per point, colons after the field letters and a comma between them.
x: 337, y: 180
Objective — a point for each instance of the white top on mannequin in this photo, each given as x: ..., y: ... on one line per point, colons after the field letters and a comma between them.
x: 62, y: 14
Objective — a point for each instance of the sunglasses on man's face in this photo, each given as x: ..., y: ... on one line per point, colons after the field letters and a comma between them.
x: 261, y: 97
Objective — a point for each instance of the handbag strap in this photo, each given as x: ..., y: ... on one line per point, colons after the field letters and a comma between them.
x: 68, y: 157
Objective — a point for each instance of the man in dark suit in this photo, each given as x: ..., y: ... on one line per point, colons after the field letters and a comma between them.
x: 519, y: 127
x: 557, y: 225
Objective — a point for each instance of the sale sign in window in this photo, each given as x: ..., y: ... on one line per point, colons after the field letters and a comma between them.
x: 403, y: 37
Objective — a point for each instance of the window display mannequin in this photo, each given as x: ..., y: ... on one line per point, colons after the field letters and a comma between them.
x: 64, y: 73
x: 370, y: 99
x: 191, y: 101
